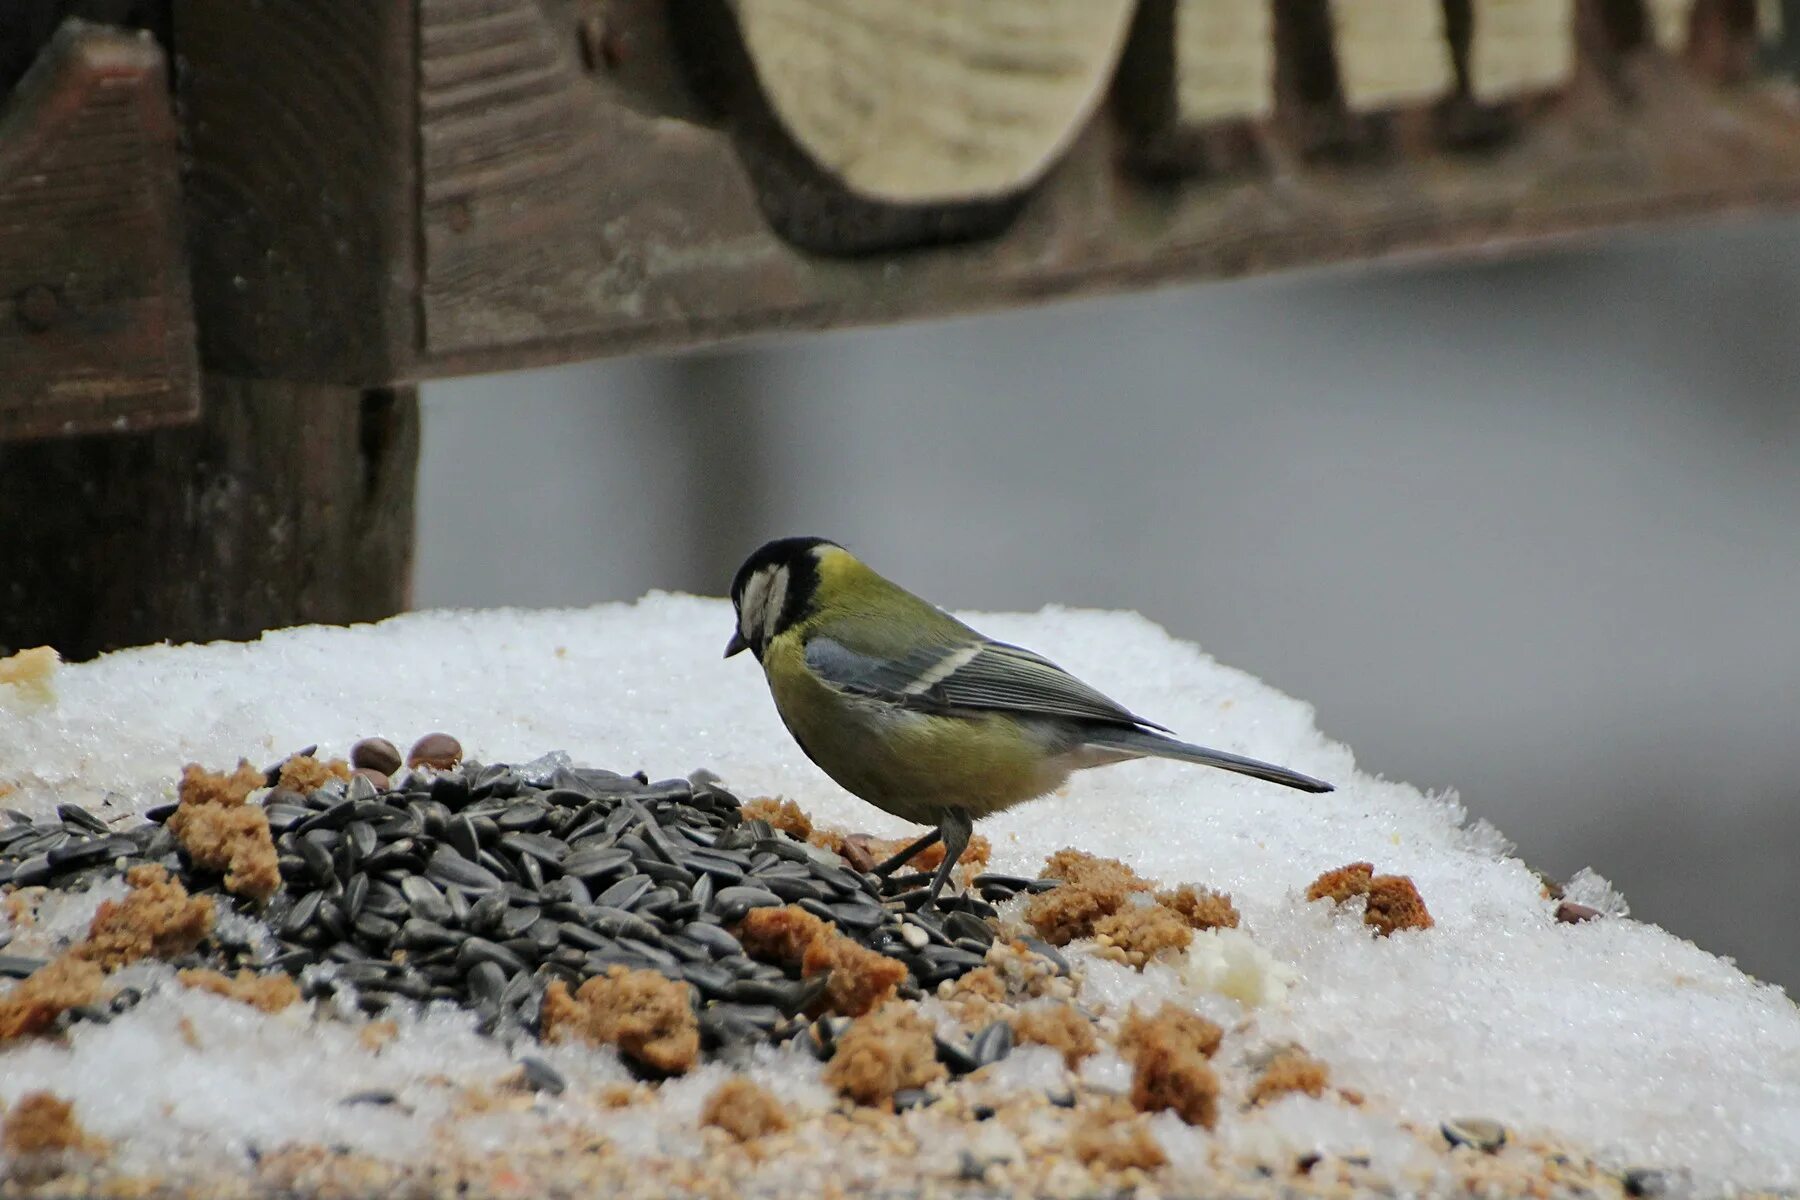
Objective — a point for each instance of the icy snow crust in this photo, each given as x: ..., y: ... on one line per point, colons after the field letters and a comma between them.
x: 1613, y: 1035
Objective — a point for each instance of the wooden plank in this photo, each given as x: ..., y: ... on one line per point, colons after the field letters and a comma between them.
x: 300, y: 132
x: 96, y: 324
x: 578, y: 218
x: 286, y: 504
x: 484, y: 184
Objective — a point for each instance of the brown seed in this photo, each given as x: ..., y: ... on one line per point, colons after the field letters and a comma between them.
x: 380, y: 780
x: 1571, y: 913
x: 378, y: 754
x: 438, y: 750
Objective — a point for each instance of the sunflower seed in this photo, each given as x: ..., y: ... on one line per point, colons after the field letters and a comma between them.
x: 733, y: 902
x: 452, y: 869
x: 1476, y: 1132
x: 540, y: 1076
x: 625, y: 893
x: 992, y: 1044
x: 477, y: 950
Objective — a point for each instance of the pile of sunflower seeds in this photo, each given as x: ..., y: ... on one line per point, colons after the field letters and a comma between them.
x: 480, y: 884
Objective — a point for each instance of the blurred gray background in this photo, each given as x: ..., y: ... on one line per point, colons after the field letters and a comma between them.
x: 1526, y: 529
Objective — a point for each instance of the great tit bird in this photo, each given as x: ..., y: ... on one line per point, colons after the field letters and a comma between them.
x: 920, y: 715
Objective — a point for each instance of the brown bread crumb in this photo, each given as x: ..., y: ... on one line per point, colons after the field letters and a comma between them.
x: 222, y: 833
x: 1340, y: 885
x: 1170, y: 1025
x: 883, y: 1052
x: 861, y: 980
x: 1059, y: 1026
x: 1138, y: 933
x: 783, y: 815
x: 37, y: 1000
x: 745, y: 1110
x: 234, y: 842
x: 1078, y: 866
x: 156, y: 919
x: 1292, y: 1070
x: 200, y: 788
x: 41, y: 1123
x: 1169, y: 1067
x: 1200, y: 907
x: 303, y: 773
x: 1092, y: 889
x: 982, y: 983
x: 645, y: 1015
x: 1113, y: 1138
x: 779, y: 935
x: 1395, y: 903
x: 268, y: 993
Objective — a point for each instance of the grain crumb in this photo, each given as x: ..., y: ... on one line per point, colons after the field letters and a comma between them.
x: 303, y: 773
x: 267, y: 993
x: 42, y: 1123
x: 1394, y: 904
x: 1343, y: 883
x: 883, y: 1052
x: 645, y: 1015
x: 1169, y: 1054
x: 1292, y: 1070
x: 1138, y: 933
x: 1060, y: 1026
x: 220, y: 832
x: 1201, y: 908
x: 744, y: 1109
x: 156, y: 919
x: 1114, y: 1138
x: 34, y: 1003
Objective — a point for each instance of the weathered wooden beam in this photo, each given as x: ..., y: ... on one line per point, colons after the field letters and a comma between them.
x: 299, y: 120
x: 285, y: 504
x: 531, y: 181
x: 96, y: 324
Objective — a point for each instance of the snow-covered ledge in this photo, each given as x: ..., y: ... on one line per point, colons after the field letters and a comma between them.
x: 1609, y: 1038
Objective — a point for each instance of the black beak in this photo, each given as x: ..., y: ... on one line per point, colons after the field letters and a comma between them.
x: 737, y: 645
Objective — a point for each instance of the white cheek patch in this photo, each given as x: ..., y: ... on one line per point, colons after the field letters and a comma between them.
x: 750, y: 607
x: 774, y: 600
x: 764, y: 597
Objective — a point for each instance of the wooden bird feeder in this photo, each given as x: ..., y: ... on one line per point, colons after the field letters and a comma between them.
x: 216, y: 297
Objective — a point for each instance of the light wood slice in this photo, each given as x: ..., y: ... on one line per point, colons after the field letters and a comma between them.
x: 933, y: 101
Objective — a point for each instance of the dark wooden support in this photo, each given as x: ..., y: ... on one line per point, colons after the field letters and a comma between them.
x: 286, y: 504
x: 300, y: 139
x: 96, y: 327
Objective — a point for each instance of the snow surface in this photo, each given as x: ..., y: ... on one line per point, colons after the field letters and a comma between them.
x: 1613, y: 1035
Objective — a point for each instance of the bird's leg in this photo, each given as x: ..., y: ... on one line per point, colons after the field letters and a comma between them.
x: 905, y: 856
x: 956, y: 828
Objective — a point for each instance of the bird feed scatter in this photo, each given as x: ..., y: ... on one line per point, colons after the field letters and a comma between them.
x: 603, y: 928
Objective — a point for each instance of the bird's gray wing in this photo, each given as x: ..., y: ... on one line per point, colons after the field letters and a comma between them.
x: 966, y: 675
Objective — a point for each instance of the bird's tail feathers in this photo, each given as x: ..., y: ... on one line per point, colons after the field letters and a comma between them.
x: 1142, y: 743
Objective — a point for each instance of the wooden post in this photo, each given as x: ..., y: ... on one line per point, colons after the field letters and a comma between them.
x: 287, y: 504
